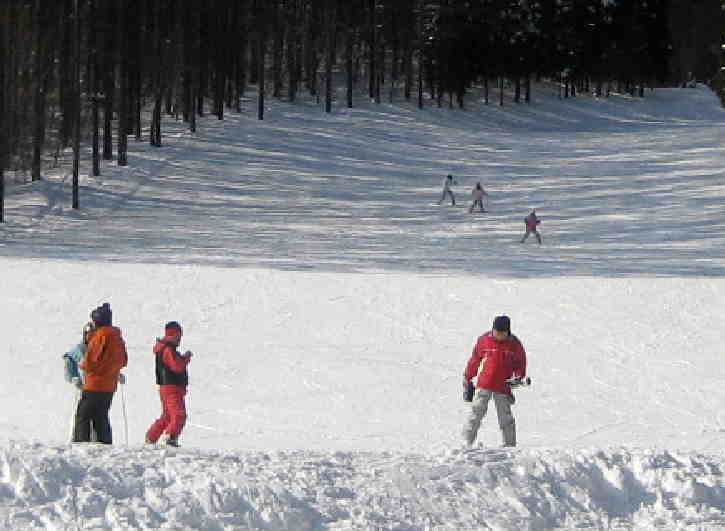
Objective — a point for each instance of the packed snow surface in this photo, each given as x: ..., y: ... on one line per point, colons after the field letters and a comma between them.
x: 331, y: 304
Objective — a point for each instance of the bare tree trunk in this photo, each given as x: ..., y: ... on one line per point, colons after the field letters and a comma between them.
x: 240, y: 76
x: 40, y: 82
x: 108, y: 119
x: 122, y: 157
x: 379, y: 69
x: 291, y: 41
x: 195, y: 59
x: 66, y: 84
x: 278, y: 24
x: 221, y: 61
x: 260, y: 72
x: 93, y: 84
x: 155, y: 132
x: 202, y: 70
x: 420, y: 55
x: 77, y: 113
x: 331, y: 31
x: 95, y: 138
x: 3, y: 111
x: 311, y: 59
x: 138, y: 103
x: 408, y: 72
x: 349, y: 32
x: 372, y: 50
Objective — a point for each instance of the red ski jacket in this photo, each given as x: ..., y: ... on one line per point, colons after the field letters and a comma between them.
x: 495, y: 362
x: 170, y: 365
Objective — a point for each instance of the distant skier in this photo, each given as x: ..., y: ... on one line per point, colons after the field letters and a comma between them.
x: 104, y: 358
x: 497, y: 356
x: 172, y: 379
x: 447, y: 190
x: 532, y: 222
x: 478, y: 194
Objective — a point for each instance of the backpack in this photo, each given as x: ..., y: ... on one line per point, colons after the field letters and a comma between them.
x: 71, y: 359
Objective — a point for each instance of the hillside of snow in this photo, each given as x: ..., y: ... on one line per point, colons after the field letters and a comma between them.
x: 331, y: 304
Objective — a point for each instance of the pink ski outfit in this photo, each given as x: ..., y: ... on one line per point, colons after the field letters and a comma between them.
x: 532, y: 222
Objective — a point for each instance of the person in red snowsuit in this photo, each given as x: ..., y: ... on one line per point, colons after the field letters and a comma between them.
x: 497, y: 356
x: 172, y: 379
x: 532, y: 222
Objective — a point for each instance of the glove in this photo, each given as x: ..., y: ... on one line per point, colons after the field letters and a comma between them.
x: 468, y: 391
x: 518, y: 381
x: 121, y: 378
x: 77, y: 382
x: 188, y: 354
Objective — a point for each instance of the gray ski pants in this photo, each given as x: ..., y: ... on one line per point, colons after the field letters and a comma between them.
x: 534, y: 232
x: 448, y: 193
x: 479, y: 406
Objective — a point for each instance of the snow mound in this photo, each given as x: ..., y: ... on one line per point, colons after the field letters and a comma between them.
x: 96, y: 487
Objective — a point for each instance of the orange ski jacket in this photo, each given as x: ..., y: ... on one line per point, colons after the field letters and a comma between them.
x: 105, y: 357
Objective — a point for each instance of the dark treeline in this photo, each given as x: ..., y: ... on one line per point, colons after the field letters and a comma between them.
x: 90, y: 67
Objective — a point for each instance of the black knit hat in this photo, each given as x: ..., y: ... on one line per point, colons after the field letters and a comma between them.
x: 102, y: 316
x: 502, y: 324
x: 171, y: 326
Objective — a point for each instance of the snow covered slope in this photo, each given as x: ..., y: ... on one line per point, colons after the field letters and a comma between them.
x: 332, y: 305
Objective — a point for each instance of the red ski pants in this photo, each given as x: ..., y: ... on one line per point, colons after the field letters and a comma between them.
x: 173, y: 417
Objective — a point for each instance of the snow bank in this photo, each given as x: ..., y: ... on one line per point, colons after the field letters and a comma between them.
x: 92, y: 487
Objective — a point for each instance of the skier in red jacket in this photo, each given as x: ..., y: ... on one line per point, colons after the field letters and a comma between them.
x: 172, y: 378
x: 497, y: 356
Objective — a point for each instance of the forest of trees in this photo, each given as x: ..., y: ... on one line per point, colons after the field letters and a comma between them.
x: 96, y: 69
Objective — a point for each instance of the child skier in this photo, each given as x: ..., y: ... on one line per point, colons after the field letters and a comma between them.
x: 532, y: 221
x: 74, y: 356
x: 478, y: 194
x: 447, y: 190
x: 172, y: 379
x: 497, y: 356
x: 104, y: 358
x: 74, y: 375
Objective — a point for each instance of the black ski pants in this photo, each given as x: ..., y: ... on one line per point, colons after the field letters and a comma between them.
x: 93, y: 409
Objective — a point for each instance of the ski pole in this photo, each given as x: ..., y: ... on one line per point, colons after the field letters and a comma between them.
x: 72, y: 423
x: 125, y: 418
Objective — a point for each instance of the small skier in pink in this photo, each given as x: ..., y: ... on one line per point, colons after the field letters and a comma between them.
x: 532, y: 221
x: 478, y: 195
